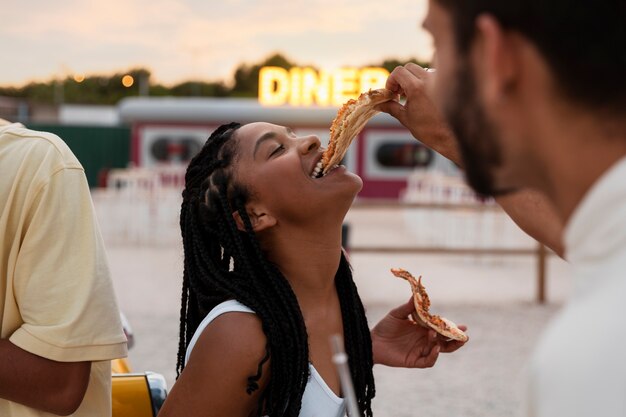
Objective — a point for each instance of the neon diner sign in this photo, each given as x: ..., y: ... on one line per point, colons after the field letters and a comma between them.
x: 306, y: 86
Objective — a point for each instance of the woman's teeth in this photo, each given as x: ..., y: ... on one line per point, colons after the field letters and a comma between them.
x: 317, y: 171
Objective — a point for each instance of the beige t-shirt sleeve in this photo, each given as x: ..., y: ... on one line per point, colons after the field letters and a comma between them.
x: 61, y: 283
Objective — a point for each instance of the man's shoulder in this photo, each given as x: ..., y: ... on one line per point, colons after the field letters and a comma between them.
x: 21, y: 143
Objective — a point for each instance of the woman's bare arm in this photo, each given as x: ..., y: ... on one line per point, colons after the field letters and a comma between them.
x: 214, y: 382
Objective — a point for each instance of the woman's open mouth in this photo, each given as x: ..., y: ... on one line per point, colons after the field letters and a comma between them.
x: 318, y: 170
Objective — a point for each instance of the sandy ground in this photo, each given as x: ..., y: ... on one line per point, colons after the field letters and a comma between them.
x: 494, y: 297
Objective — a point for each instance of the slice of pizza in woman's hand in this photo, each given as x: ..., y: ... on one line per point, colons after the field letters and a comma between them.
x: 350, y: 120
x: 422, y: 316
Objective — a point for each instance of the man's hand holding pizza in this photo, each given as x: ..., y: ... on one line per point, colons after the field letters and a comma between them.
x: 418, y: 113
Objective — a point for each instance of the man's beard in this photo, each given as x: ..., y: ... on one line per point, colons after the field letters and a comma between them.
x: 476, y: 137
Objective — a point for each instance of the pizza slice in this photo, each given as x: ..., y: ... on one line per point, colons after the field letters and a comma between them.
x: 350, y: 120
x: 422, y: 316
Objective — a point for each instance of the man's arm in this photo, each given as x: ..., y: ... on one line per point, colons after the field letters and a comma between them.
x: 530, y: 210
x: 40, y: 383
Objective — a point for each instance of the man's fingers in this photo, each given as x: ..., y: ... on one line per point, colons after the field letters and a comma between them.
x: 393, y: 108
x: 401, y: 81
x: 392, y: 83
x: 416, y: 69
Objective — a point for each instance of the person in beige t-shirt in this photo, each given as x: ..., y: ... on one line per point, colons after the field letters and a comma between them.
x: 59, y: 321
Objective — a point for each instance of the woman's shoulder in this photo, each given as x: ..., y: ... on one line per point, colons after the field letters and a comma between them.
x: 229, y: 306
x: 217, y: 375
x: 232, y: 328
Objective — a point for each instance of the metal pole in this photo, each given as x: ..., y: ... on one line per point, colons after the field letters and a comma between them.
x: 59, y: 91
x: 340, y: 359
x: 540, y: 251
x: 541, y: 274
x: 144, y: 85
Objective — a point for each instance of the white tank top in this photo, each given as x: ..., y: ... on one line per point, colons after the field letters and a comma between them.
x: 318, y: 399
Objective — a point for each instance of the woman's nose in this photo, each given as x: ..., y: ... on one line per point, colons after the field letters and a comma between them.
x: 309, y: 143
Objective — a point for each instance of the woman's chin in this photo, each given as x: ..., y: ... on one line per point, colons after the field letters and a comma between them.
x: 344, y: 202
x: 356, y: 181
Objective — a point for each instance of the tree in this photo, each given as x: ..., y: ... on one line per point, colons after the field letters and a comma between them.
x: 390, y: 63
x: 108, y: 89
x: 200, y: 88
x: 247, y: 76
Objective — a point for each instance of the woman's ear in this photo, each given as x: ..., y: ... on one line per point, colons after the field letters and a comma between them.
x: 260, y: 219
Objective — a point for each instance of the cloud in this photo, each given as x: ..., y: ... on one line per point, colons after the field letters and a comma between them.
x: 197, y: 38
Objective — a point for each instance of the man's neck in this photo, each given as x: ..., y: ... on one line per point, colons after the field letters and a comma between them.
x: 578, y: 154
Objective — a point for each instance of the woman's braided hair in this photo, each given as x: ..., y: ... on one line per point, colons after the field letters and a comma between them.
x: 221, y: 263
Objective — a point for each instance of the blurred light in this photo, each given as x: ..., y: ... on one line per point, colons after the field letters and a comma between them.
x: 79, y: 78
x: 295, y: 74
x: 128, y: 80
x: 306, y: 86
x: 373, y: 78
x: 315, y: 88
x: 345, y: 85
x: 273, y: 86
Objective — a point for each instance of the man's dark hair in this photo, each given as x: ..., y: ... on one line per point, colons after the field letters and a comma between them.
x: 583, y: 41
x: 222, y: 263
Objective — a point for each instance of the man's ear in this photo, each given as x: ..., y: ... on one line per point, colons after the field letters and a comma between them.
x: 260, y: 219
x: 498, y: 58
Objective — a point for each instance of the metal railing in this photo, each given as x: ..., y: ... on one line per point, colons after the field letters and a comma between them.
x: 540, y: 252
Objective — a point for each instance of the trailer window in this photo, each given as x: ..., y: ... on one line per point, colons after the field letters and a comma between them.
x: 169, y: 149
x: 403, y: 155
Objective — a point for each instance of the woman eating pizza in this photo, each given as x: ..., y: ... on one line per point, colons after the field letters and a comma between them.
x: 266, y: 284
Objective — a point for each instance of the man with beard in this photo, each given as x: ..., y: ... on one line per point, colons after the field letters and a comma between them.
x: 535, y: 97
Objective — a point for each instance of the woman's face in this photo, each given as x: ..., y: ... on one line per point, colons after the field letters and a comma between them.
x: 276, y: 166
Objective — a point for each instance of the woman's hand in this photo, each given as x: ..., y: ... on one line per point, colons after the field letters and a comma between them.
x: 400, y: 342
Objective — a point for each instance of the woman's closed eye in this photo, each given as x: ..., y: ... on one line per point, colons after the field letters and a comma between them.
x: 277, y: 150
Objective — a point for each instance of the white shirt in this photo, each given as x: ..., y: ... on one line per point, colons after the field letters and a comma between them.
x: 579, y: 366
x: 318, y: 399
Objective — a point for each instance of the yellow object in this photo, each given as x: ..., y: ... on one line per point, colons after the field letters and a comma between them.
x: 306, y: 86
x: 54, y: 265
x: 128, y: 80
x: 120, y: 366
x: 273, y: 86
x: 131, y: 396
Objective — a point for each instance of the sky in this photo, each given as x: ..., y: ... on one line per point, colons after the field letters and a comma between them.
x: 180, y: 40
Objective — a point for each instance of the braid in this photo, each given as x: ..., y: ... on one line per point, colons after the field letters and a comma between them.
x: 183, y: 339
x: 221, y: 262
x: 289, y: 304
